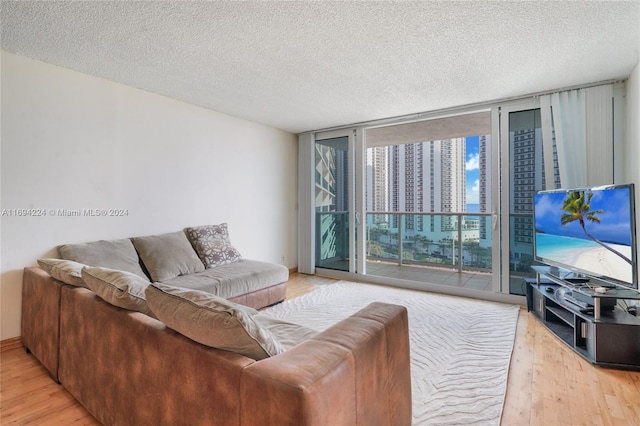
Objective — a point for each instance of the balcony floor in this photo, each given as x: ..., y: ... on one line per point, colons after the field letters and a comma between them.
x: 442, y: 276
x: 433, y: 275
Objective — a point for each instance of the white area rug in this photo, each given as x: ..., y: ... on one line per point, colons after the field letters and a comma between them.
x: 460, y: 348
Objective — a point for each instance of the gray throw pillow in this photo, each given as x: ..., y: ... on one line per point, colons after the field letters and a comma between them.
x: 67, y: 271
x: 112, y: 254
x: 167, y: 256
x: 122, y: 289
x: 213, y: 245
x: 212, y: 321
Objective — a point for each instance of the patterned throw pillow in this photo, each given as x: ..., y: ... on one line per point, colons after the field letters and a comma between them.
x: 213, y: 245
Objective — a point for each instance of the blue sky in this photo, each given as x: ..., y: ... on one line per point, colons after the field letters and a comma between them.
x: 473, y: 173
x: 615, y: 221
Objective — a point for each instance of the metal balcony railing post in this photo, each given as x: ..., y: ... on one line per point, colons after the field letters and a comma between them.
x: 400, y: 221
x: 459, y: 243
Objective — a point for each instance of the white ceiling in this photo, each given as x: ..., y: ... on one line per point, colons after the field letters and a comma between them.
x: 302, y: 66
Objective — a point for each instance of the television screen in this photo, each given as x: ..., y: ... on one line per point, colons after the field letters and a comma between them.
x: 589, y: 231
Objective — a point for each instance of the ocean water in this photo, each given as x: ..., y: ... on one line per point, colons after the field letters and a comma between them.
x: 561, y: 248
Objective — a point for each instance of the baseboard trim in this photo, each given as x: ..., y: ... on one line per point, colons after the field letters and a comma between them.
x: 293, y: 270
x: 12, y: 343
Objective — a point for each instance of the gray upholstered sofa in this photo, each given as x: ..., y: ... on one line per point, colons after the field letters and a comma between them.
x: 136, y: 352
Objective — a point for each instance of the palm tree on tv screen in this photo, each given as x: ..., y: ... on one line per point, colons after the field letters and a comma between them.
x: 579, y: 209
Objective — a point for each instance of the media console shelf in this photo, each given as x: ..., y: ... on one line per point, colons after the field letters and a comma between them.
x: 606, y: 337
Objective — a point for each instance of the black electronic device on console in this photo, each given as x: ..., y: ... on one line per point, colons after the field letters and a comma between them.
x: 569, y: 298
x: 583, y: 301
x: 577, y: 280
x: 606, y: 303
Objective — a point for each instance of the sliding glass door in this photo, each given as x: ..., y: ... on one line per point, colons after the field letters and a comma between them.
x: 334, y: 202
x: 530, y: 164
x: 429, y: 187
x: 413, y: 203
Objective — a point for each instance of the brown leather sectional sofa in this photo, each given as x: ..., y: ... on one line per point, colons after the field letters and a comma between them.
x: 127, y: 368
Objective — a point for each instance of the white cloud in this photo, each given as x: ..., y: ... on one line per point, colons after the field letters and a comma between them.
x: 473, y: 193
x: 473, y: 162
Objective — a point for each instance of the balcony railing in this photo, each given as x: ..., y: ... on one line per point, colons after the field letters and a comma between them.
x: 332, y: 238
x: 454, y: 240
x: 458, y: 241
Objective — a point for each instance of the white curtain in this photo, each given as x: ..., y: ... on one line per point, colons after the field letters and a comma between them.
x: 547, y: 141
x: 599, y: 129
x: 583, y: 123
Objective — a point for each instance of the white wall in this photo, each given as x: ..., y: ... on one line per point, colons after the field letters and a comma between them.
x: 72, y: 141
x: 632, y: 138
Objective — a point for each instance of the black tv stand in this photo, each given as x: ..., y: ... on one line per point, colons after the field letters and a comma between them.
x: 607, y: 338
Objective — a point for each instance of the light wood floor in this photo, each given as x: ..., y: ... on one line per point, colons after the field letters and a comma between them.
x: 548, y: 384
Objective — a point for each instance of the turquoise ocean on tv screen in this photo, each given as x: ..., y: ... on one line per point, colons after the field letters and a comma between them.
x: 552, y: 246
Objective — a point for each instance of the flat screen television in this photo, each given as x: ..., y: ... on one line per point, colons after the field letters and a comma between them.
x: 588, y: 231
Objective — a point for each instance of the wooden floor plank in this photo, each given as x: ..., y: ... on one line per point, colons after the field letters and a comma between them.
x: 518, y: 401
x: 548, y: 383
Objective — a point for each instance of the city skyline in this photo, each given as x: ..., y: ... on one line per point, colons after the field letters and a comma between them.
x: 433, y: 176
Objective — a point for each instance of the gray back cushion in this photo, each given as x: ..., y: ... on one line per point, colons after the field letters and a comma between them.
x: 122, y: 289
x: 112, y: 254
x: 167, y: 256
x: 212, y: 321
x: 67, y: 271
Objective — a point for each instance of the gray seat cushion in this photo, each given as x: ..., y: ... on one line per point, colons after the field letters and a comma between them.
x: 286, y: 333
x: 234, y: 279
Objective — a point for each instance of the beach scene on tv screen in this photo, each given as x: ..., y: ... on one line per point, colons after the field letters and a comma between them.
x: 588, y: 230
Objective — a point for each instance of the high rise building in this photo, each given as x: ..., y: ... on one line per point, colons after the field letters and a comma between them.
x: 377, y: 180
x: 527, y: 177
x: 484, y: 172
x: 426, y: 176
x: 421, y: 177
x: 484, y: 187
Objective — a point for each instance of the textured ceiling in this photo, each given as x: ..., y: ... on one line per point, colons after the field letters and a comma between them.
x: 302, y: 66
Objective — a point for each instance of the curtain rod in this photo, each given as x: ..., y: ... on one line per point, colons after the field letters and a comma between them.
x: 461, y: 108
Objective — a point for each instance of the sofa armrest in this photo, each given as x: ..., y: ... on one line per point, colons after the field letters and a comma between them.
x: 354, y: 373
x: 127, y: 368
